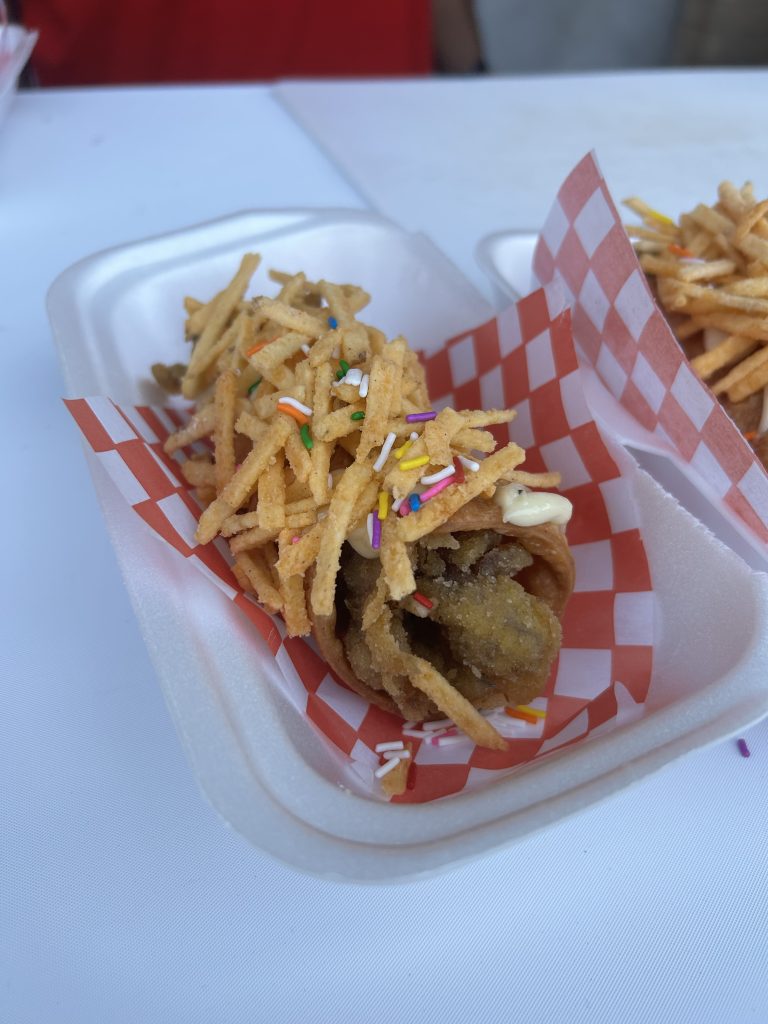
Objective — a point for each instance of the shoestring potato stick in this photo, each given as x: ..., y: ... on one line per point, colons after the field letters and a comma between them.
x: 710, y: 272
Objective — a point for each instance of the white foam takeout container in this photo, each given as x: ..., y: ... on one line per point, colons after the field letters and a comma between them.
x: 260, y: 763
x: 506, y: 258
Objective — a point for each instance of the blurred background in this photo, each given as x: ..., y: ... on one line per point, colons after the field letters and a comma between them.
x: 90, y: 42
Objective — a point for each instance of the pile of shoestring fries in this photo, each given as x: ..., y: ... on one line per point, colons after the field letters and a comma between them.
x: 317, y: 425
x: 711, y: 276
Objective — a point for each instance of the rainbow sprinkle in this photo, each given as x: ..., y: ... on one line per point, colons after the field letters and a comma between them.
x: 743, y: 748
x: 290, y: 410
x: 420, y: 460
x: 386, y: 448
x: 253, y: 387
x: 422, y: 600
x: 344, y: 369
x: 415, y: 502
x: 449, y: 740
x: 436, y: 738
x: 333, y: 323
x: 431, y: 492
x: 306, y: 437
x: 295, y: 404
x: 400, y: 452
x: 441, y: 723
x: 536, y: 712
x: 522, y: 715
x: 435, y: 478
x: 420, y: 417
x: 387, y: 767
x: 357, y: 416
x: 383, y: 505
x: 376, y: 533
x: 353, y: 376
x: 258, y: 347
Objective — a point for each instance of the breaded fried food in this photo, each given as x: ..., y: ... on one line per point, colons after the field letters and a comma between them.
x: 404, y: 539
x: 492, y: 625
x: 493, y: 640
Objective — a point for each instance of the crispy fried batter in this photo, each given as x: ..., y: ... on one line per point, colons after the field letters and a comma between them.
x: 493, y: 625
x: 492, y: 640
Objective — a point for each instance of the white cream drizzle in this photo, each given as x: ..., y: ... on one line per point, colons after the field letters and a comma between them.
x: 361, y: 543
x: 521, y: 507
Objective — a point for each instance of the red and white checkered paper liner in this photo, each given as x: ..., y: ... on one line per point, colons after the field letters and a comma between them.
x: 624, y: 335
x: 524, y: 359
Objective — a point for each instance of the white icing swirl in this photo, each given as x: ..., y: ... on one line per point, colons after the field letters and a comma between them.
x: 521, y: 507
x: 359, y: 540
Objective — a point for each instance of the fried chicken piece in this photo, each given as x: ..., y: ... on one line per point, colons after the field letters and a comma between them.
x: 429, y: 562
x: 427, y: 641
x: 472, y: 546
x: 496, y: 627
x: 360, y: 658
x: 506, y: 560
x: 491, y: 639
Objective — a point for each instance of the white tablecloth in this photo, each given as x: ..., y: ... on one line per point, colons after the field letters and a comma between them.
x: 124, y: 898
x: 465, y: 157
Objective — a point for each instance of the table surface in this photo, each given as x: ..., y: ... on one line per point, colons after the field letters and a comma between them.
x: 124, y: 896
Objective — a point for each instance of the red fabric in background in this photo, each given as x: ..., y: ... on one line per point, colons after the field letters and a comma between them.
x: 92, y: 42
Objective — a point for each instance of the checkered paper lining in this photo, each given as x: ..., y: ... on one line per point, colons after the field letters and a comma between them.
x: 625, y: 336
x: 524, y: 359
